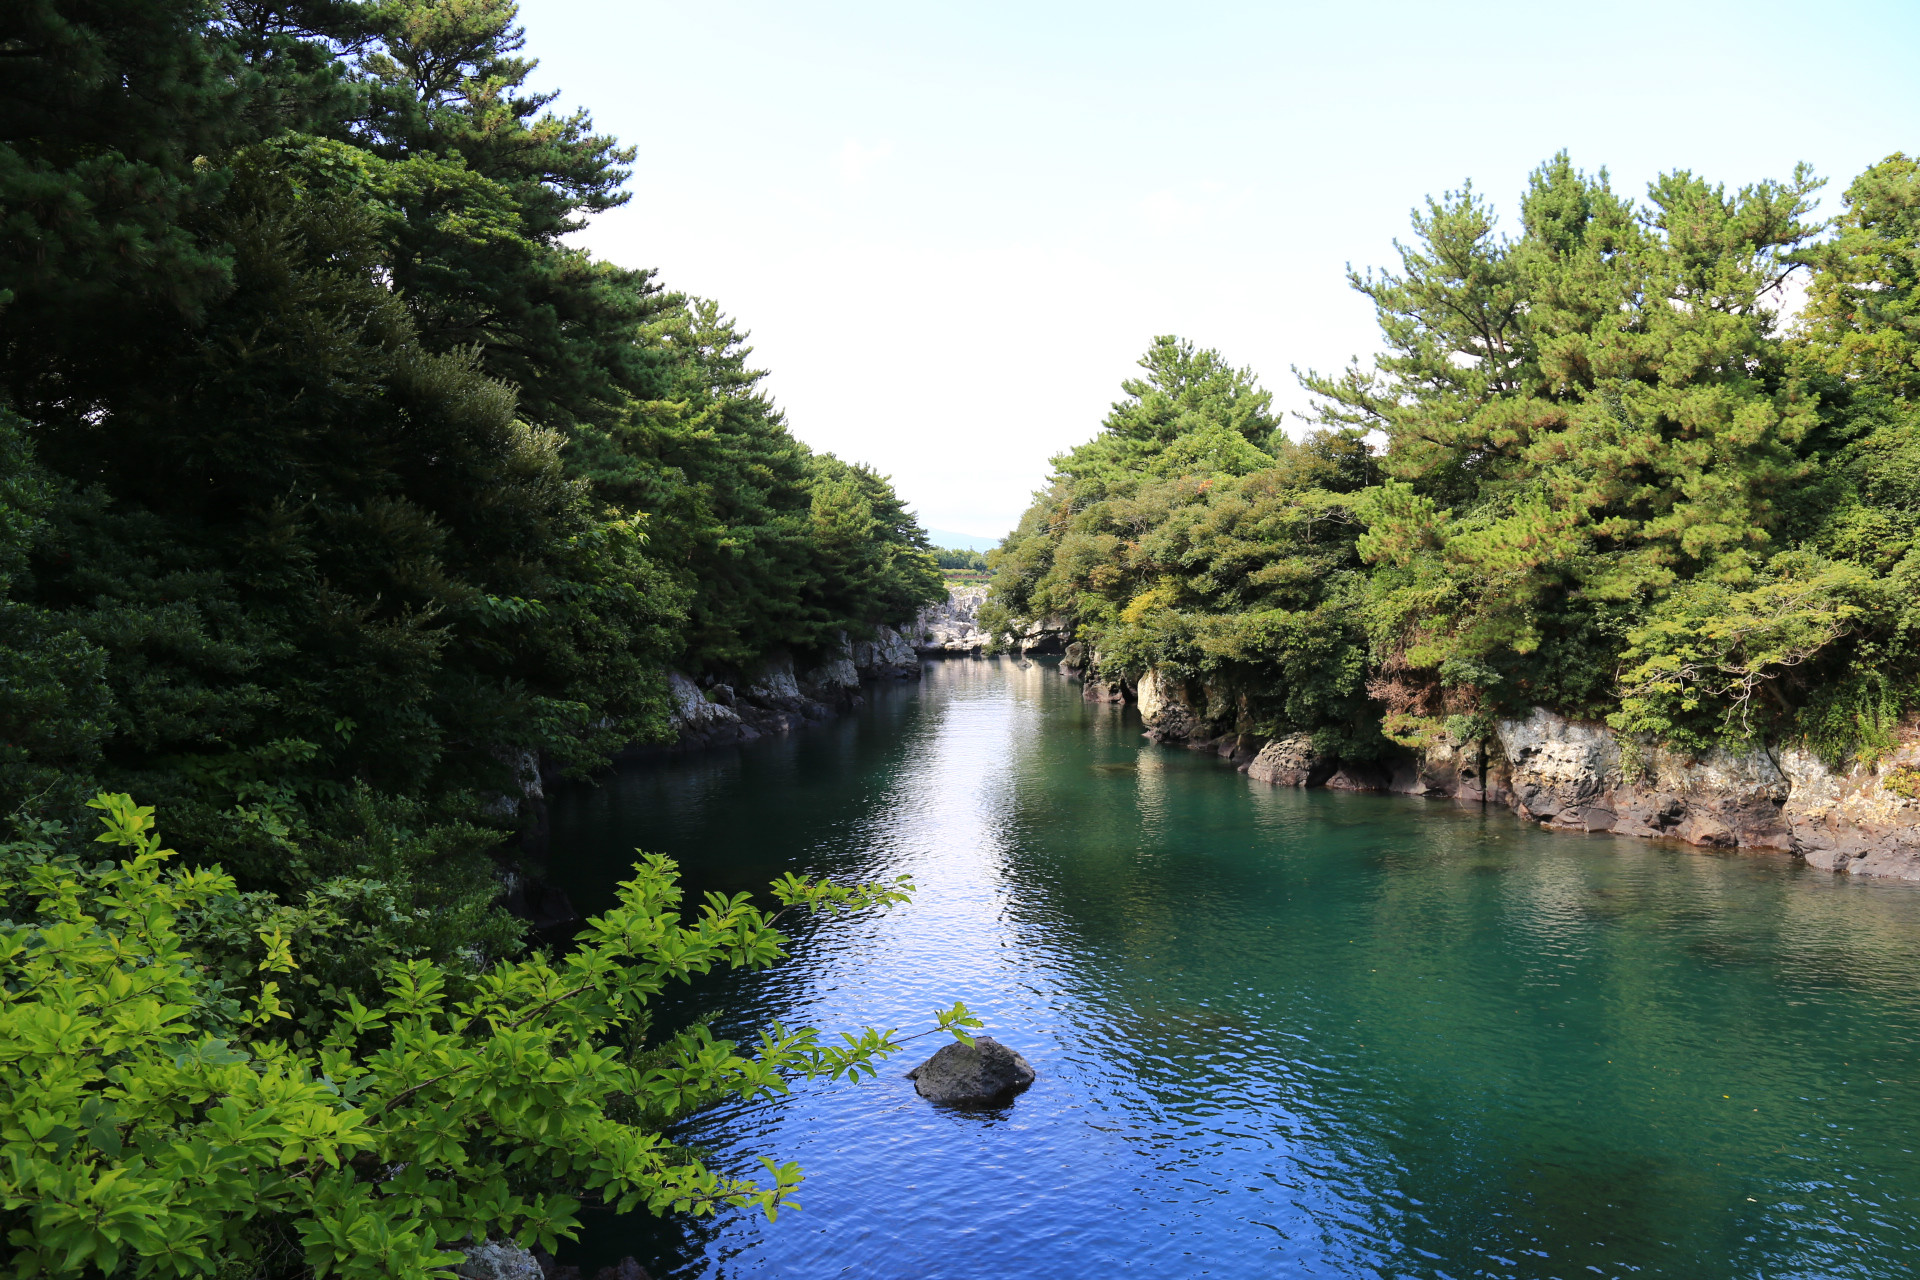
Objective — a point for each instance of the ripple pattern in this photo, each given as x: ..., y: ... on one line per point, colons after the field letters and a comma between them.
x: 1278, y: 1033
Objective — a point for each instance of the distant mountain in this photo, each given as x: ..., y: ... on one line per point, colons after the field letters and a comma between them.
x: 961, y: 541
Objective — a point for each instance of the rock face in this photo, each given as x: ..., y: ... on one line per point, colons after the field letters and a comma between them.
x: 1467, y: 772
x: 1095, y: 685
x: 777, y: 697
x: 1046, y: 636
x: 1573, y: 776
x: 1169, y: 709
x: 1865, y: 822
x: 1577, y: 776
x: 887, y: 653
x: 498, y: 1260
x: 528, y: 787
x: 987, y: 1074
x: 953, y: 626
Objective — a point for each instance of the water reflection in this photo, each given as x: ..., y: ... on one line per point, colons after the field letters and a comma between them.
x: 1279, y: 1032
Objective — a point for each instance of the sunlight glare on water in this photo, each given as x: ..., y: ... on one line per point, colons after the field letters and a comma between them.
x: 1277, y: 1032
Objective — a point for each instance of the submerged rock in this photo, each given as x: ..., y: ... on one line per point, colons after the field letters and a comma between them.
x: 982, y: 1075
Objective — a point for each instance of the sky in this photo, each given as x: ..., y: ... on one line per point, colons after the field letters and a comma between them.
x: 953, y: 228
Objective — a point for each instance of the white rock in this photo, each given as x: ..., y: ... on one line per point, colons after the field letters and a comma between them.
x: 776, y: 684
x: 952, y: 626
x: 691, y: 708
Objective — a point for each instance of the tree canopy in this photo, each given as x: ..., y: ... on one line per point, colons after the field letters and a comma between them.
x: 337, y: 480
x: 1592, y: 469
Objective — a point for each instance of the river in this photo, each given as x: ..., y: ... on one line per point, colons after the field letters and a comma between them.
x: 1278, y: 1032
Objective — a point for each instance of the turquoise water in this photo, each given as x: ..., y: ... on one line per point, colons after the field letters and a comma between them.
x: 1279, y: 1033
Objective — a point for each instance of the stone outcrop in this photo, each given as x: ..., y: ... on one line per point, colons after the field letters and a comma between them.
x: 777, y: 697
x: 1576, y: 776
x: 1197, y: 716
x: 1043, y: 636
x: 1096, y: 685
x: 528, y: 789
x: 886, y: 654
x: 952, y: 626
x: 1468, y: 772
x: 1169, y: 708
x: 985, y: 1073
x: 1862, y: 822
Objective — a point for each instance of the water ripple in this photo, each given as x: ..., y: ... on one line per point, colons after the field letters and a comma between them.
x: 1278, y: 1033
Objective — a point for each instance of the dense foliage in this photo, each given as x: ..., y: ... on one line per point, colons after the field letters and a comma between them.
x: 334, y: 484
x: 337, y: 493
x: 964, y: 559
x: 164, y: 1112
x: 1194, y: 535
x: 1612, y: 483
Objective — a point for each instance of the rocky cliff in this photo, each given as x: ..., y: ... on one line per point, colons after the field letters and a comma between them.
x: 953, y: 625
x: 778, y: 698
x: 1578, y: 776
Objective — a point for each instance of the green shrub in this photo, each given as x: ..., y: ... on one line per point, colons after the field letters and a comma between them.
x: 156, y: 1119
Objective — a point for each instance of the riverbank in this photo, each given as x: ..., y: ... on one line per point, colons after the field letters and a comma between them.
x: 713, y: 710
x: 1581, y: 776
x: 717, y: 710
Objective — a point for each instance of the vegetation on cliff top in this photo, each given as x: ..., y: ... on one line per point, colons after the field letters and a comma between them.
x: 1612, y: 483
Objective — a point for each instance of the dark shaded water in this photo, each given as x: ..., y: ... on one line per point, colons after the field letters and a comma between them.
x: 1278, y: 1032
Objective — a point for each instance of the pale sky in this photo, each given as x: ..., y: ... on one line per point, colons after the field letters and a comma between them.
x: 952, y: 228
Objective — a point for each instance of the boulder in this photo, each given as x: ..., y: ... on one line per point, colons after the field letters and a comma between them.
x: 1292, y: 762
x: 986, y: 1073
x: 498, y: 1260
x: 1168, y: 708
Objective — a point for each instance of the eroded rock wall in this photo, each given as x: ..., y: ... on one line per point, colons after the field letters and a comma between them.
x: 1865, y: 821
x: 1581, y: 777
x: 1577, y: 776
x: 778, y: 697
x: 952, y: 626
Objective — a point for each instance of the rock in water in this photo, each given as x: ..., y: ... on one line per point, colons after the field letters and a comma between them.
x: 498, y: 1260
x: 985, y: 1074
